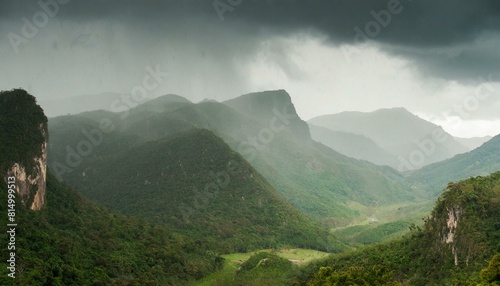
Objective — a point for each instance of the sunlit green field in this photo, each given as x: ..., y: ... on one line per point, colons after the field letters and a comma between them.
x: 233, y: 261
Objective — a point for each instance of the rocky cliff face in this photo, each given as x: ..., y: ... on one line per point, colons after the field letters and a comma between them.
x: 23, y: 150
x: 449, y: 230
x: 31, y: 184
x: 463, y: 224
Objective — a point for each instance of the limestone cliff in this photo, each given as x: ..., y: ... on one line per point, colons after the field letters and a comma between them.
x: 23, y: 152
x: 462, y: 221
x: 449, y: 230
x: 31, y: 183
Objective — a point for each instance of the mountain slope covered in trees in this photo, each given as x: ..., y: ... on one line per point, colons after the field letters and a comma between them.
x: 458, y: 240
x: 194, y: 183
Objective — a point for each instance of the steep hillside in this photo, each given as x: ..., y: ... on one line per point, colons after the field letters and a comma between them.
x: 414, y: 141
x: 353, y: 145
x: 458, y: 240
x: 53, y: 236
x: 194, y: 183
x: 480, y: 161
x: 312, y: 176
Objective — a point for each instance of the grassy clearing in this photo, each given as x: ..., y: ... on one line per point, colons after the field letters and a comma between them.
x: 301, y: 256
x: 233, y: 261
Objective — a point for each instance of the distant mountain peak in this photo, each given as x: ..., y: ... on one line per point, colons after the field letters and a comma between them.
x: 401, y: 110
x: 208, y: 100
x: 167, y: 102
x: 170, y: 98
x: 263, y: 102
x: 275, y: 96
x: 267, y: 105
x: 390, y: 111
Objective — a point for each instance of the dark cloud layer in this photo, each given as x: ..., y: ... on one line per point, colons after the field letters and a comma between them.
x: 440, y: 36
x: 420, y: 23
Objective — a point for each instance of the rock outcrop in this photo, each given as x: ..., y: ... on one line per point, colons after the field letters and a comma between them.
x: 31, y: 184
x: 451, y: 227
x: 23, y: 150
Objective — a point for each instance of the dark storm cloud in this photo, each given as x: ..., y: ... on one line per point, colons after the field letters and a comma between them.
x: 420, y: 23
x: 463, y: 62
x: 441, y: 37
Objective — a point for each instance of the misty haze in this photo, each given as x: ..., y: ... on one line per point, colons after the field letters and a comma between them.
x: 237, y: 142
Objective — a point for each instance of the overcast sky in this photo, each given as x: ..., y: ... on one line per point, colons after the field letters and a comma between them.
x: 438, y: 59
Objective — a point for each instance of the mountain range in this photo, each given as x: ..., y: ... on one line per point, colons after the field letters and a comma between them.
x: 393, y: 137
x: 323, y: 184
x: 274, y: 140
x: 168, y: 185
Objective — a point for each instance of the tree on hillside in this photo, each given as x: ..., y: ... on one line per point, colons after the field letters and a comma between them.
x: 491, y: 274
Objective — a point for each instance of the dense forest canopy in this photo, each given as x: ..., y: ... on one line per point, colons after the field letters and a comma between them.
x: 23, y: 129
